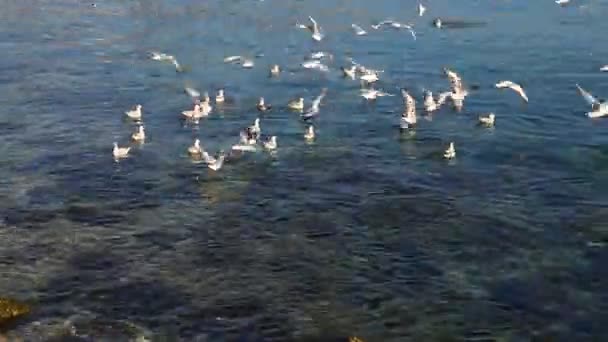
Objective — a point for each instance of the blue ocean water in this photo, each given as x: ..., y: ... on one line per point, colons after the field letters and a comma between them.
x: 366, y: 232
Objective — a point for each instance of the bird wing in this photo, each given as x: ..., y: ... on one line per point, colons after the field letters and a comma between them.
x: 317, y: 102
x: 232, y: 59
x: 315, y: 26
x: 590, y: 99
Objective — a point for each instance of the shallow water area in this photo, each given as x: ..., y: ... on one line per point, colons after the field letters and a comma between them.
x: 367, y: 231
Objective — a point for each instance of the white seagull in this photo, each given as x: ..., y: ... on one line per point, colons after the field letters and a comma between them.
x: 195, y: 150
x: 245, y: 62
x: 315, y: 64
x: 315, y: 107
x: 604, y: 68
x: 450, y: 153
x: 408, y: 117
x: 599, y: 108
x: 314, y: 28
x: 135, y: 113
x: 514, y: 86
x: 421, y: 9
x: 120, y: 152
x: 163, y: 57
x: 139, y: 135
x: 310, y: 134
x: 429, y: 102
x: 372, y: 94
x: 358, y: 30
x: 271, y: 144
x: 488, y: 120
x: 217, y: 164
x: 562, y: 2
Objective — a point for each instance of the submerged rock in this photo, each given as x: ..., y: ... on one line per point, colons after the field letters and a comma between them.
x: 11, y: 309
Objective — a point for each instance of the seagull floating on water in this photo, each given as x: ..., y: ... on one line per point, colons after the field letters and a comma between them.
x: 120, y: 152
x: 429, y: 102
x: 219, y: 98
x: 139, y: 135
x: 599, y: 108
x: 349, y: 72
x: 562, y: 2
x: 358, y: 30
x: 315, y: 64
x: 514, y: 86
x: 488, y: 120
x: 275, y: 70
x: 135, y: 114
x: 217, y: 164
x: 310, y: 133
x: 314, y: 108
x: 263, y: 107
x: 369, y: 76
x: 314, y: 28
x: 450, y: 153
x: 296, y: 104
x: 408, y: 117
x: 195, y: 150
x: 271, y: 144
x: 604, y: 68
x: 458, y: 92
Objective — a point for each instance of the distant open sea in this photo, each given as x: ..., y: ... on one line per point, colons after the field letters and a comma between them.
x: 366, y: 232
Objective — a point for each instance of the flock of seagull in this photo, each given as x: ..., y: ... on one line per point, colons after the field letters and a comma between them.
x: 250, y: 137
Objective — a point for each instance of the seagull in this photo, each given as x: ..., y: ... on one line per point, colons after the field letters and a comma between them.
x: 219, y: 98
x: 310, y: 134
x: 120, y: 152
x: 397, y: 25
x: 193, y: 93
x: 217, y: 163
x: 314, y: 28
x: 408, y: 117
x: 421, y: 9
x: 369, y: 76
x: 514, y: 86
x: 350, y: 72
x: 604, y: 68
x: 562, y: 2
x: 271, y: 144
x: 450, y: 153
x: 197, y: 112
x: 275, y: 70
x: 320, y: 55
x: 429, y: 102
x: 139, y: 135
x: 135, y: 113
x: 487, y: 120
x: 458, y: 91
x: 599, y: 108
x: 315, y: 64
x: 255, y: 130
x: 245, y: 62
x: 437, y: 23
x: 262, y: 107
x: 358, y: 30
x: 372, y: 94
x: 314, y: 108
x: 296, y: 104
x: 195, y: 150
x: 163, y: 57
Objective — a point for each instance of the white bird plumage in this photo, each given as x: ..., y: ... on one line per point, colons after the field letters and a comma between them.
x: 450, y: 153
x: 139, y: 135
x: 315, y: 107
x: 421, y: 9
x: 358, y: 30
x: 136, y: 113
x: 271, y: 144
x: 408, y: 117
x: 598, y: 108
x: 310, y: 133
x: 513, y: 86
x: 120, y: 152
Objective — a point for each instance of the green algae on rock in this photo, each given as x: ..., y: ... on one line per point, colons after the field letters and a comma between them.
x: 11, y: 309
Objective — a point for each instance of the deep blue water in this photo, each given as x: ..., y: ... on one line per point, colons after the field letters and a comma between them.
x: 366, y: 232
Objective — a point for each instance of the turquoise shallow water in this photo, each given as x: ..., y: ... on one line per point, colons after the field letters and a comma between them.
x: 366, y: 232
